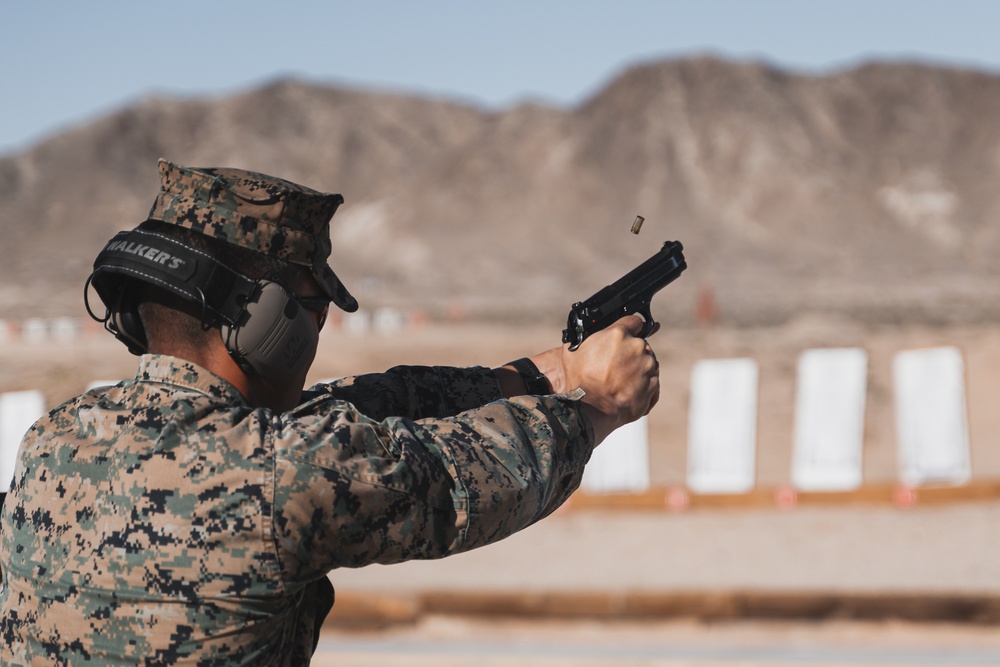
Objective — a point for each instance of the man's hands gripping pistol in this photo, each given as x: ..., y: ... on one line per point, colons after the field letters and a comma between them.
x: 628, y: 295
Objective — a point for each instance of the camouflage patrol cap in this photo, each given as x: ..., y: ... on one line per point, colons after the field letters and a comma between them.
x: 263, y: 213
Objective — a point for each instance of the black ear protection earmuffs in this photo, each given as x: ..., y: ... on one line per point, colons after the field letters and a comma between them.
x: 262, y: 325
x: 274, y: 335
x: 123, y: 318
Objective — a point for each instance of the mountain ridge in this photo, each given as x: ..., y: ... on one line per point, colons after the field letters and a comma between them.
x: 867, y: 193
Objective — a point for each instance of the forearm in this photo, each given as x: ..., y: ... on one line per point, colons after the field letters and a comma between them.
x: 515, y: 462
x: 548, y: 364
x: 360, y: 492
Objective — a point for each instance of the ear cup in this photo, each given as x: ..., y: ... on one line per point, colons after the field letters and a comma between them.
x: 124, y: 319
x: 276, y: 337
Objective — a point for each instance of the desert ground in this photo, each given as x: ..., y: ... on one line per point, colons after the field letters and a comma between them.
x: 444, y: 641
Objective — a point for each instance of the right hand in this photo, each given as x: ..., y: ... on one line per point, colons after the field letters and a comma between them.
x: 615, y: 367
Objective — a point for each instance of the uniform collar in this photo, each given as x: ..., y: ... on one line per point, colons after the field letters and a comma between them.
x: 178, y: 372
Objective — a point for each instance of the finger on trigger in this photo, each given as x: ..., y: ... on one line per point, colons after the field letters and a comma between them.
x: 633, y: 324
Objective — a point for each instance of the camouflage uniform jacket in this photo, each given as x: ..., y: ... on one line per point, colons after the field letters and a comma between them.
x: 164, y: 521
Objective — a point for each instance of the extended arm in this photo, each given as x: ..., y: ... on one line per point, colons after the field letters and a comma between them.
x: 352, y: 491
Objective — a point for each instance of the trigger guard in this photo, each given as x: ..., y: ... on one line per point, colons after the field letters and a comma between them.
x: 648, y: 326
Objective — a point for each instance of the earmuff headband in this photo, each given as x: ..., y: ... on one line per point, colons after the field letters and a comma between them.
x: 167, y: 263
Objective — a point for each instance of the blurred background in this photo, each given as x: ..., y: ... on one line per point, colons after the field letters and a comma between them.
x: 830, y: 168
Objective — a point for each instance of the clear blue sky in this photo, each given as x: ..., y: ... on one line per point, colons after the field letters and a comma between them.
x: 63, y: 62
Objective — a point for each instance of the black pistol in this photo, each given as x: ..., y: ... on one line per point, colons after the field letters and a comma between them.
x: 629, y: 294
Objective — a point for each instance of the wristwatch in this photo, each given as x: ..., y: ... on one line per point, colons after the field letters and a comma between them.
x: 535, y: 381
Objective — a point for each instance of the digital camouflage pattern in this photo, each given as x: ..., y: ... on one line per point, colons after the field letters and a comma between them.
x: 260, y: 212
x: 164, y: 521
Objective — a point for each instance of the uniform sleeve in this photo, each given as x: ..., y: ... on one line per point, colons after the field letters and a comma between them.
x: 414, y: 392
x: 351, y: 491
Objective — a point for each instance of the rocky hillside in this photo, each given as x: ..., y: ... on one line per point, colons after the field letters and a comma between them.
x: 872, y: 193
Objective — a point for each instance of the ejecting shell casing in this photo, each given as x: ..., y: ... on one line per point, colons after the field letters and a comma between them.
x: 637, y: 224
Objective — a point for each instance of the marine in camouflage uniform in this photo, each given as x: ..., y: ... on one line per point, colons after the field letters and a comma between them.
x: 167, y: 520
